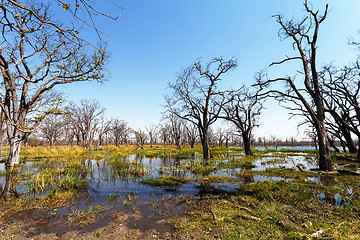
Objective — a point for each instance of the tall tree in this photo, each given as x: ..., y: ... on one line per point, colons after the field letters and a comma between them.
x: 197, y: 96
x: 341, y: 88
x: 37, y: 54
x: 304, y: 35
x: 243, y: 110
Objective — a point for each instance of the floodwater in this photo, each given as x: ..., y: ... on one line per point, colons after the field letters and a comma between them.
x: 115, y: 192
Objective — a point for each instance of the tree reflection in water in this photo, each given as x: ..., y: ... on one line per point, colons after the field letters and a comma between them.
x: 8, y: 189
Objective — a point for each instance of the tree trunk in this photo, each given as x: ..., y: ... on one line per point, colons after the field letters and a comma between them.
x: 51, y: 139
x: 15, y: 146
x: 325, y: 162
x: 332, y: 144
x: 349, y: 141
x: 205, y: 143
x: 2, y: 133
x: 247, y: 144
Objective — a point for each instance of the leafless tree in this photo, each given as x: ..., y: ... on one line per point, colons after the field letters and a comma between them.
x: 36, y: 55
x: 197, y: 96
x: 243, y: 110
x: 164, y: 134
x: 85, y: 118
x: 177, y: 126
x: 152, y: 133
x: 120, y: 131
x: 304, y: 35
x: 191, y: 133
x: 52, y: 129
x: 341, y: 89
x: 140, y: 138
x: 103, y: 128
x: 311, y: 133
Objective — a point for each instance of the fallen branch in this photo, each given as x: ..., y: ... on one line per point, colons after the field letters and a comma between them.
x: 247, y: 217
x: 351, y: 165
x: 289, y: 225
x: 319, y: 232
x: 293, y: 168
x: 347, y: 158
x: 246, y: 209
x: 213, y: 214
x: 344, y: 171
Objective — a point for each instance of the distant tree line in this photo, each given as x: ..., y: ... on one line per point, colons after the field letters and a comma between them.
x: 85, y: 125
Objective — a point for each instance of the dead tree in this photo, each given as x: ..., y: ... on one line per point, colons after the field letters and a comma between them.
x: 191, y: 133
x: 197, y: 97
x: 103, y: 128
x: 176, y: 129
x: 152, y: 133
x: 304, y: 35
x: 85, y: 118
x: 119, y: 130
x: 243, y: 110
x: 164, y: 134
x: 52, y: 129
x: 140, y: 138
x: 341, y: 89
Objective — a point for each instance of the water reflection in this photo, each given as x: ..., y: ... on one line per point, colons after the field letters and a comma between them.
x: 118, y: 178
x: 8, y: 187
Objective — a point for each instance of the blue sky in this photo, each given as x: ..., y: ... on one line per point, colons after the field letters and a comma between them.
x: 153, y: 40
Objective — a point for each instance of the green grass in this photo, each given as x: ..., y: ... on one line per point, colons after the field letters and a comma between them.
x: 269, y: 210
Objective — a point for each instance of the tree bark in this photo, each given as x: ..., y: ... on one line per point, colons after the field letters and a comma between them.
x: 15, y: 145
x: 205, y: 143
x: 325, y: 162
x: 349, y: 141
x: 247, y: 144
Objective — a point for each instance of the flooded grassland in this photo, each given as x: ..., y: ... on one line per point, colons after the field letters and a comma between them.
x: 164, y: 193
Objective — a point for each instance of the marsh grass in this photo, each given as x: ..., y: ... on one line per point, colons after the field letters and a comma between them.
x: 269, y: 210
x: 77, y: 216
x: 286, y: 209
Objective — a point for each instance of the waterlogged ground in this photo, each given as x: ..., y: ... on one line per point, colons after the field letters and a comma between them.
x: 176, y: 195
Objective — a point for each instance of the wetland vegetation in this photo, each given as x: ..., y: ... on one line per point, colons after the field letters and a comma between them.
x: 166, y: 193
x: 100, y: 178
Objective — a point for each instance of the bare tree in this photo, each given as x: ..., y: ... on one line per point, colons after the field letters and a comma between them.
x: 36, y: 55
x: 52, y: 129
x: 120, y: 131
x: 85, y: 118
x: 304, y: 36
x: 103, y: 128
x: 140, y: 138
x: 197, y: 96
x: 176, y: 129
x: 152, y: 133
x: 164, y: 134
x: 341, y: 89
x: 191, y: 133
x: 243, y: 110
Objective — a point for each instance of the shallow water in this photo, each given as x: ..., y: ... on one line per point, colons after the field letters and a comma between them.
x: 105, y: 184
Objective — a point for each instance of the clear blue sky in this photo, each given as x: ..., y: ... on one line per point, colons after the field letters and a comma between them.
x: 153, y: 40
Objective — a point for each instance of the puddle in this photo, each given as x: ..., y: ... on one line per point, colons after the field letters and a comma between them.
x: 307, y: 162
